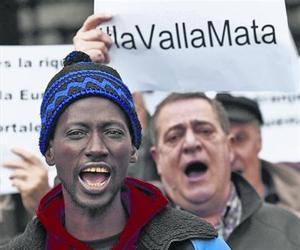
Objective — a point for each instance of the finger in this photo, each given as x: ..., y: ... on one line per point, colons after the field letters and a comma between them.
x: 94, y: 20
x: 20, y: 174
x: 91, y: 36
x: 15, y: 164
x: 97, y: 55
x: 26, y: 155
x: 85, y: 46
x: 19, y: 184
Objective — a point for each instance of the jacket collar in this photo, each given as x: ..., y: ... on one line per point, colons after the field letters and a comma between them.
x: 251, y: 201
x: 142, y: 201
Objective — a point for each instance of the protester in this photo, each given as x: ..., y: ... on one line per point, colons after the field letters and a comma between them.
x: 276, y: 183
x: 30, y: 177
x: 90, y: 132
x: 193, y: 153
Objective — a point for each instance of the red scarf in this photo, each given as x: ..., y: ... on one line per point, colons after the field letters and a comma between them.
x: 142, y: 200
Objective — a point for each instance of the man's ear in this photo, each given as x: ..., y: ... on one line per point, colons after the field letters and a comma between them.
x: 50, y: 154
x: 155, y: 157
x: 134, y: 155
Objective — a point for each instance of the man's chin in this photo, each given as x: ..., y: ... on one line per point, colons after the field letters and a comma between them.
x: 91, y: 206
x: 199, y: 197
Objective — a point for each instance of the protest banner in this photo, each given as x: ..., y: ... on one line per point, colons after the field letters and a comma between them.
x: 24, y: 73
x: 202, y: 45
x: 281, y: 129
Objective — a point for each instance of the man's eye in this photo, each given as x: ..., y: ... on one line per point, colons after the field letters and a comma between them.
x: 240, y: 138
x: 172, y: 138
x: 205, y: 131
x: 76, y: 134
x: 115, y: 133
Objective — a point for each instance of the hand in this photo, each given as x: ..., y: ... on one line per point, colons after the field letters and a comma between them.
x: 93, y: 41
x: 30, y: 177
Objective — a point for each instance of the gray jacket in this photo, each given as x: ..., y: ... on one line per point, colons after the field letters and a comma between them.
x: 168, y: 227
x: 263, y: 226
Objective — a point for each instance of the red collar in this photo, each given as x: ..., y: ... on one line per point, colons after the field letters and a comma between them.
x: 142, y: 200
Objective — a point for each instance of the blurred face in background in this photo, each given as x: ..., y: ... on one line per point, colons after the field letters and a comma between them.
x: 246, y: 147
x: 192, y: 155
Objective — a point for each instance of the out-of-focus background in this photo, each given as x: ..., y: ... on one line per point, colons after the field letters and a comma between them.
x: 32, y: 22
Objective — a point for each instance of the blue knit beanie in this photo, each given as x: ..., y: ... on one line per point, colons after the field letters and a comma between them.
x: 80, y: 78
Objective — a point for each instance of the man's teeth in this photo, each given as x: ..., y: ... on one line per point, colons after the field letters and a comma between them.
x: 95, y: 170
x: 95, y: 185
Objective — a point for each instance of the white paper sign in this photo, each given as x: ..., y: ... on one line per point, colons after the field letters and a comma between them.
x: 24, y: 74
x: 281, y: 129
x: 201, y: 45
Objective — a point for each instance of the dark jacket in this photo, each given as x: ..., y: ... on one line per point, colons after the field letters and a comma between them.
x: 14, y: 217
x: 263, y: 226
x: 283, y: 183
x: 151, y: 224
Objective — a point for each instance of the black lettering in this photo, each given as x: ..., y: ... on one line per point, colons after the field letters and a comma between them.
x: 178, y: 35
x: 201, y: 39
x: 25, y: 63
x: 168, y: 40
x: 130, y: 43
x: 243, y: 37
x: 269, y: 37
x: 23, y: 129
x: 185, y: 36
x: 115, y: 36
x: 212, y: 32
x: 254, y: 27
x: 5, y: 96
x: 23, y: 94
x: 147, y: 45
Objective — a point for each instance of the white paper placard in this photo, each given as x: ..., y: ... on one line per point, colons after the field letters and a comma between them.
x: 202, y: 45
x: 24, y: 74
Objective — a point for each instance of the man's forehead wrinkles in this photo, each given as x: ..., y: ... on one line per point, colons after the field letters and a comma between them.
x: 183, y: 124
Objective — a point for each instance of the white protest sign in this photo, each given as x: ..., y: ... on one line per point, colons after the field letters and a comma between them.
x: 281, y: 129
x: 201, y: 45
x: 24, y: 73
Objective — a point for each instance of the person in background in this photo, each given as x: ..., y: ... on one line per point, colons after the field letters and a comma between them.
x: 90, y: 132
x: 193, y: 153
x: 275, y: 183
x: 30, y: 177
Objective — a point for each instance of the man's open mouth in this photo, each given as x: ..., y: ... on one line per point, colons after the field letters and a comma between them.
x: 195, y: 169
x: 94, y: 177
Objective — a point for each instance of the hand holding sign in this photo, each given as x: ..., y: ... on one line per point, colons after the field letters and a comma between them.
x: 93, y: 41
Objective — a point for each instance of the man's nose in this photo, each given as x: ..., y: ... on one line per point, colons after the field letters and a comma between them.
x: 192, y: 142
x: 96, y: 146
